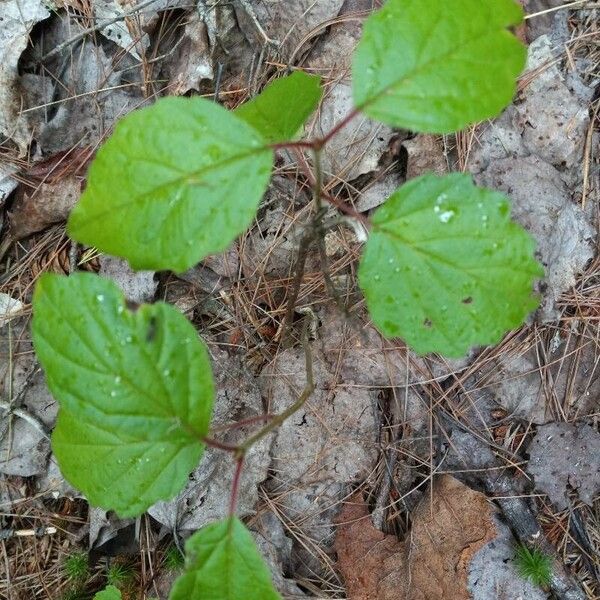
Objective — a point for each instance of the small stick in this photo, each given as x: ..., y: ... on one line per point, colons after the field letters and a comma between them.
x: 7, y: 534
x: 98, y: 27
x: 18, y: 412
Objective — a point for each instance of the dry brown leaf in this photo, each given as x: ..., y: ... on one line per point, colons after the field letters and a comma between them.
x: 563, y: 456
x: 425, y: 155
x: 47, y: 204
x: 191, y: 62
x: 18, y: 18
x: 432, y: 563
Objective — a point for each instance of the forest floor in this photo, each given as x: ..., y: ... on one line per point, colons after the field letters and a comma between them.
x: 403, y: 476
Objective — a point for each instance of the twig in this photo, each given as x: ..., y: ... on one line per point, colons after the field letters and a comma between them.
x: 18, y: 412
x: 7, y: 534
x: 98, y: 27
x: 586, y: 154
x: 527, y: 529
x: 243, y: 423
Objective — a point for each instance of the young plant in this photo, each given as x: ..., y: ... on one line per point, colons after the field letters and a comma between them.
x: 119, y: 575
x: 534, y: 565
x: 444, y: 266
x: 76, y: 567
x: 173, y: 560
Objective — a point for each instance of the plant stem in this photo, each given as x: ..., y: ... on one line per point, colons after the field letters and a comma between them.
x: 318, y: 184
x: 235, y: 484
x: 309, y: 388
x: 291, y: 144
x: 243, y: 423
x: 320, y: 142
x: 212, y: 443
x: 317, y: 231
x: 241, y: 450
x: 317, y: 143
x: 298, y: 272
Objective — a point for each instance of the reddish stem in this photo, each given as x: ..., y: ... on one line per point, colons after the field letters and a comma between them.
x: 244, y: 423
x: 289, y: 145
x: 345, y: 208
x: 319, y: 143
x: 339, y: 204
x: 212, y: 443
x: 235, y: 484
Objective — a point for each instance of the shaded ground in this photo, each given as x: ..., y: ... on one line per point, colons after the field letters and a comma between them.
x: 517, y: 422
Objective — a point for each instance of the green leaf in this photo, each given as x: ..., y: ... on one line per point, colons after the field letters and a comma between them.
x: 109, y: 593
x: 176, y: 181
x: 283, y: 106
x: 435, y: 66
x: 445, y: 268
x: 134, y: 387
x: 223, y: 563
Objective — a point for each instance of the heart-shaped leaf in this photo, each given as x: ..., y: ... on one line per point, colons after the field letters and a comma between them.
x: 445, y: 268
x: 223, y: 563
x: 175, y: 182
x: 134, y: 387
x: 435, y: 66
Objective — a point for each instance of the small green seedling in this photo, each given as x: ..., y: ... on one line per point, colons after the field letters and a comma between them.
x: 120, y: 575
x: 444, y: 266
x: 76, y: 567
x: 534, y: 565
x: 174, y: 560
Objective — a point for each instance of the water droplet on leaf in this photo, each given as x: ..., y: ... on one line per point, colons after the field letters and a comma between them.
x: 446, y: 216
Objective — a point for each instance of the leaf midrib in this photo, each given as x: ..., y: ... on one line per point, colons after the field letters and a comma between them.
x: 179, y: 181
x: 426, y: 65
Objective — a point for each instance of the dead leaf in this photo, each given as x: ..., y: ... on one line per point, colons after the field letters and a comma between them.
x: 88, y: 97
x: 130, y: 32
x: 138, y: 286
x: 553, y: 112
x: 358, y: 148
x: 542, y: 23
x: 366, y: 556
x: 563, y: 455
x: 10, y: 308
x: 542, y: 204
x: 432, y: 563
x: 191, y: 62
x: 18, y: 19
x: 24, y: 449
x: 49, y: 203
x: 425, y: 155
x: 7, y: 182
x: 291, y: 24
x: 74, y: 161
